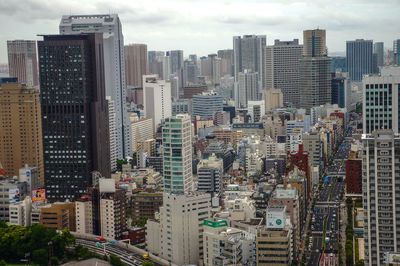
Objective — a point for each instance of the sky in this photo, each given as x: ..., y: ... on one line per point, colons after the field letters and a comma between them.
x: 205, y: 26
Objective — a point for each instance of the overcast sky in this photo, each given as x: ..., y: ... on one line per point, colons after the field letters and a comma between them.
x: 205, y: 26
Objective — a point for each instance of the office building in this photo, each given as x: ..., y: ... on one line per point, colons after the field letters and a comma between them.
x: 282, y: 69
x: 247, y: 88
x: 359, y: 58
x: 273, y: 98
x: 21, y: 129
x: 379, y: 51
x: 190, y: 72
x: 176, y: 63
x: 248, y: 54
x: 380, y: 193
x: 396, y: 52
x: 354, y: 174
x: 338, y: 64
x: 30, y: 175
x: 225, y: 245
x: 144, y: 205
x: 10, y: 191
x: 190, y: 91
x: 142, y: 129
x: 20, y: 212
x: 75, y: 118
x: 274, y: 242
x: 58, y: 215
x: 209, y: 172
x: 22, y: 62
x: 177, y: 146
x: 380, y: 101
x: 114, y: 67
x: 152, y: 62
x: 315, y: 67
x: 205, y: 104
x: 341, y: 90
x: 177, y: 232
x: 181, y: 106
x: 135, y: 64
x: 256, y: 110
x: 156, y: 99
x: 226, y: 62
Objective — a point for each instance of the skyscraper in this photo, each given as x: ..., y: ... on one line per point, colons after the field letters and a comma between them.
x: 248, y: 55
x: 22, y: 61
x: 177, y: 144
x: 114, y: 67
x: 315, y: 68
x: 359, y: 58
x: 135, y: 64
x: 227, y: 62
x: 380, y: 184
x: 379, y: 51
x: 176, y: 62
x: 396, y: 52
x: 156, y: 99
x: 381, y: 101
x: 74, y: 113
x: 247, y: 88
x: 282, y: 69
x: 21, y: 129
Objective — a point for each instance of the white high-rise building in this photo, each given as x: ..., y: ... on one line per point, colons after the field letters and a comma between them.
x: 114, y: 68
x: 380, y: 100
x: 177, y: 154
x: 177, y: 232
x: 113, y: 134
x: 156, y: 99
x: 380, y: 187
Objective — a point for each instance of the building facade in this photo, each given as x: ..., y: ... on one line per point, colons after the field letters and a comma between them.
x: 22, y: 62
x: 315, y: 67
x: 74, y: 118
x: 359, y: 56
x: 247, y: 88
x: 205, y: 104
x: 21, y: 129
x: 380, y: 184
x: 156, y: 99
x: 177, y: 154
x: 282, y: 69
x: 135, y: 64
x: 114, y: 67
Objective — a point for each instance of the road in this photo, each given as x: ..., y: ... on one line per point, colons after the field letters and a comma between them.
x: 127, y: 257
x: 325, y: 220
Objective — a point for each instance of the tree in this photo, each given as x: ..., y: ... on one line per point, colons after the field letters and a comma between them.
x: 39, y: 256
x: 54, y: 261
x: 121, y: 162
x: 3, y: 263
x: 147, y: 263
x: 115, y: 260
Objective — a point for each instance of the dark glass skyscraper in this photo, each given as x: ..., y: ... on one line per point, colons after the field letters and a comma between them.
x: 74, y: 113
x: 359, y: 58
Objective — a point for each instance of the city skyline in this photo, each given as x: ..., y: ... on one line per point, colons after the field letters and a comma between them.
x: 203, y: 30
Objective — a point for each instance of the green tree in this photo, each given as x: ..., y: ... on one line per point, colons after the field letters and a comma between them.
x: 115, y: 260
x: 147, y: 263
x: 40, y: 256
x: 3, y: 263
x: 121, y: 162
x: 54, y: 261
x: 83, y: 252
x: 360, y: 263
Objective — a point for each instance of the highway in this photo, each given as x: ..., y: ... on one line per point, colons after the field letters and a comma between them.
x: 127, y: 257
x: 325, y: 219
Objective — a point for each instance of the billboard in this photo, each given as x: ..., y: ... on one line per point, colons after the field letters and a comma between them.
x: 14, y: 195
x: 38, y: 195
